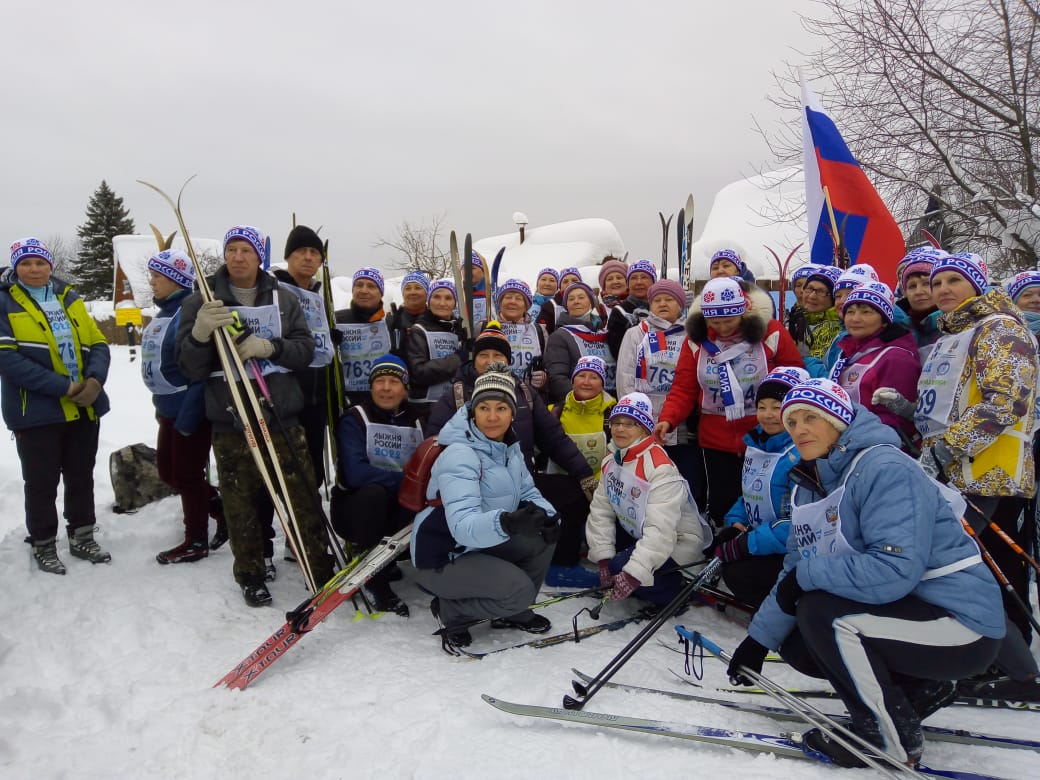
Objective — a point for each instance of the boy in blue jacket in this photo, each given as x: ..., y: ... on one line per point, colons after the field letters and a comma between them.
x: 754, y: 542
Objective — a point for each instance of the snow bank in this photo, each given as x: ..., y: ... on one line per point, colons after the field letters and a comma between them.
x: 751, y: 214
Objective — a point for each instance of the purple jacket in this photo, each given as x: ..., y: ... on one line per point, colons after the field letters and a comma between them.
x: 898, y: 367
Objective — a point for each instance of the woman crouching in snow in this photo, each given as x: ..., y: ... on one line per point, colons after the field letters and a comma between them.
x: 642, y: 517
x: 485, y: 550
x: 883, y: 593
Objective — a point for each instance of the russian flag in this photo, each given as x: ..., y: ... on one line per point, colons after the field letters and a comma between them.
x: 870, y: 232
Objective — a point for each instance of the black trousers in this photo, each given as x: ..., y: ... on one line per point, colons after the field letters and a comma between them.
x: 48, y: 453
x: 724, y: 488
x: 1005, y: 512
x: 366, y: 515
x: 565, y: 494
x: 751, y: 579
x: 875, y: 654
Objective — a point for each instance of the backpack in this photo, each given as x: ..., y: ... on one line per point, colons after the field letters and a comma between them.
x: 412, y: 494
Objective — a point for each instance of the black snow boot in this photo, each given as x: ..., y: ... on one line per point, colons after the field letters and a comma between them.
x: 256, y: 595
x: 536, y: 624
x: 1000, y: 687
x: 907, y: 724
x: 82, y: 545
x: 185, y: 552
x: 270, y: 572
x: 930, y: 696
x: 46, y: 555
x: 383, y: 597
x: 459, y: 637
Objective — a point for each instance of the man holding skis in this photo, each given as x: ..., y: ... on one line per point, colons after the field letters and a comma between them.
x: 277, y: 342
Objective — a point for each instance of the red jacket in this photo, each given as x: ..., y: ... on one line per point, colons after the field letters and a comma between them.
x: 714, y: 431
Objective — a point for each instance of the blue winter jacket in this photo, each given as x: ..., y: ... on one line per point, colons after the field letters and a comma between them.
x: 477, y: 480
x: 354, y: 468
x: 766, y: 538
x: 893, y: 514
x: 926, y: 332
x: 35, y: 379
x: 187, y: 408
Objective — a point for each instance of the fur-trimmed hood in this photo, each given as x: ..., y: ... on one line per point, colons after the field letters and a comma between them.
x: 756, y: 318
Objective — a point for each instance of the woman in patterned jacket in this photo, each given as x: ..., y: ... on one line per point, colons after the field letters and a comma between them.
x: 975, y: 409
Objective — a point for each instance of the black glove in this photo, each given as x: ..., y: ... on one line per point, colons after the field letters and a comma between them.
x: 750, y: 654
x: 336, y: 336
x: 788, y: 592
x: 551, y: 528
x: 723, y: 536
x: 733, y: 549
x: 525, y: 521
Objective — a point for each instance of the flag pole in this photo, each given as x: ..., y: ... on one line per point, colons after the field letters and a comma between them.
x: 840, y: 253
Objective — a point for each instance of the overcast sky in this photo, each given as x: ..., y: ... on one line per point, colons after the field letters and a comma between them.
x: 359, y: 115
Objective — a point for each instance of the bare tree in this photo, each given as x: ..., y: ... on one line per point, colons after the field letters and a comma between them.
x: 935, y: 97
x: 64, y: 252
x: 419, y: 248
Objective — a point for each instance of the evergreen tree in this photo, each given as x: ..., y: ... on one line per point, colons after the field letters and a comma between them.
x: 106, y: 218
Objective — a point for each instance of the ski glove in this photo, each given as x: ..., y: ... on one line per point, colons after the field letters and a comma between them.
x: 929, y: 464
x: 212, y: 315
x: 525, y: 521
x: 733, y: 549
x: 943, y: 455
x: 893, y: 400
x: 749, y: 653
x: 788, y: 592
x: 624, y: 584
x: 539, y: 379
x: 588, y: 486
x: 87, y: 394
x: 605, y: 577
x: 254, y: 347
x: 551, y: 528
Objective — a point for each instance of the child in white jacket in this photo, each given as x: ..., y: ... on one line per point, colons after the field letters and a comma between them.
x: 642, y: 518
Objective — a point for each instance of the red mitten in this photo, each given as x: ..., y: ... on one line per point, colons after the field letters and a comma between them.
x: 624, y: 584
x: 605, y: 577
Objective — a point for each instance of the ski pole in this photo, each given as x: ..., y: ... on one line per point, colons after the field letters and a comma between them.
x: 586, y: 691
x: 1001, y: 577
x: 1014, y: 545
x: 814, y: 717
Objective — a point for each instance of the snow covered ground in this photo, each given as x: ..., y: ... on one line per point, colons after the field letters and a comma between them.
x: 107, y: 673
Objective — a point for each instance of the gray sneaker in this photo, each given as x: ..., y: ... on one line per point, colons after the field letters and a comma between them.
x: 82, y: 545
x: 46, y: 555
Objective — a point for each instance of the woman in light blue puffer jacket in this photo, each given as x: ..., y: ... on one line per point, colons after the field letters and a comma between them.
x: 483, y: 551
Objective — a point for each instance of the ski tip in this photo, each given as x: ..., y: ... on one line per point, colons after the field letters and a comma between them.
x: 570, y: 703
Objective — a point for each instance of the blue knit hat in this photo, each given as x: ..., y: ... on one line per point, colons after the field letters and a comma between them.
x: 779, y: 381
x: 967, y: 264
x: 175, y: 265
x: 569, y: 270
x: 1020, y: 282
x: 389, y: 365
x: 731, y: 255
x: 551, y: 272
x: 828, y: 274
x: 514, y: 285
x: 30, y: 247
x: 590, y: 363
x: 822, y: 395
x: 636, y: 406
x: 803, y: 272
x: 877, y: 295
x: 642, y: 266
x: 419, y: 278
x: 370, y: 273
x: 261, y: 244
x: 443, y: 284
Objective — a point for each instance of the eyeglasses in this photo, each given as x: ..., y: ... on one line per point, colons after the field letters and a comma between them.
x: 815, y: 291
x: 621, y: 422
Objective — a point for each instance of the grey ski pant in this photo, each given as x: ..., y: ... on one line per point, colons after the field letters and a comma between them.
x: 501, y: 581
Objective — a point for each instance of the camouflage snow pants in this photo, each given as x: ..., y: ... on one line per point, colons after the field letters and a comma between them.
x: 243, y: 491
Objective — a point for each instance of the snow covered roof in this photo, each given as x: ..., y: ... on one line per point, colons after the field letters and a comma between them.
x: 581, y: 242
x: 749, y: 215
x: 131, y: 253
